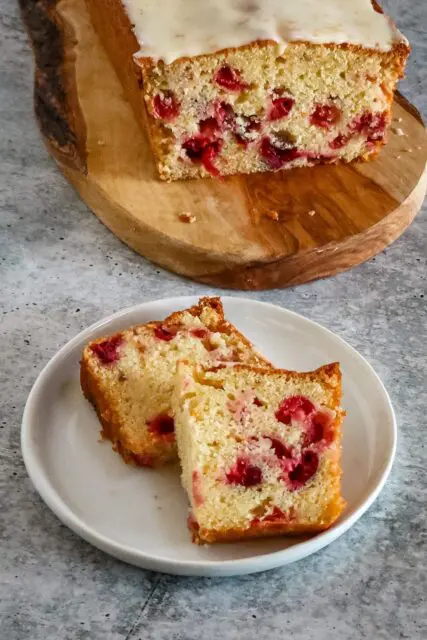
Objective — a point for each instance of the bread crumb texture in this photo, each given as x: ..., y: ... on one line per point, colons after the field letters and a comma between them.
x: 250, y: 109
x: 259, y: 449
x: 129, y: 377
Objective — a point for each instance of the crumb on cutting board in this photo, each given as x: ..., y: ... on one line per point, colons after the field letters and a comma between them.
x: 188, y: 218
x: 273, y: 215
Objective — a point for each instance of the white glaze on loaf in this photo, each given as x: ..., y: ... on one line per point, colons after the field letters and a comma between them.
x: 171, y: 29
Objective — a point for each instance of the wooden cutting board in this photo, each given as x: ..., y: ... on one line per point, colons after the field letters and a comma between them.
x: 251, y: 232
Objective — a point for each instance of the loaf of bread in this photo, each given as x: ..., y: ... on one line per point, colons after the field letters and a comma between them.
x: 259, y: 450
x: 129, y: 376
x: 242, y: 86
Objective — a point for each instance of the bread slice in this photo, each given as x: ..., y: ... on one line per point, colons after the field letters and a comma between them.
x: 259, y: 449
x: 129, y: 376
x: 215, y: 99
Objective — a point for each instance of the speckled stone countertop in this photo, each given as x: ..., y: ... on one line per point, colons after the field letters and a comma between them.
x: 60, y: 270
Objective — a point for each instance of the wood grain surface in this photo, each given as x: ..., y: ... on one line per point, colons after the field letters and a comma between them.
x: 251, y: 232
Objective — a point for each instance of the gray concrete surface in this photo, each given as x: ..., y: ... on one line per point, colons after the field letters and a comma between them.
x: 61, y: 270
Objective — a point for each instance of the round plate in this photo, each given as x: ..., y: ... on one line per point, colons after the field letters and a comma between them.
x: 139, y: 515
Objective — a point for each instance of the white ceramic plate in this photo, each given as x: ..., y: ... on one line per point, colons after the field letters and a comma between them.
x: 139, y: 515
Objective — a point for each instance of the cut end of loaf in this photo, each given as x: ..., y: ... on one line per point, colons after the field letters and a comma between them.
x: 249, y: 109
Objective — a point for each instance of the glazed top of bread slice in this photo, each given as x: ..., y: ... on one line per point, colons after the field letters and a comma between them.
x: 173, y: 29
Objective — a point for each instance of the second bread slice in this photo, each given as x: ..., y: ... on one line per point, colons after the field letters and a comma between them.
x: 259, y: 450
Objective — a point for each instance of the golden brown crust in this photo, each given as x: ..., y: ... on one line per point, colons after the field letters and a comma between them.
x: 112, y: 427
x: 266, y: 529
x: 400, y: 50
x: 93, y: 392
x: 270, y: 529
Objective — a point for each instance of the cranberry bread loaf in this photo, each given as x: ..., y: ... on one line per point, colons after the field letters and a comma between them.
x: 259, y: 450
x: 129, y: 377
x: 241, y: 86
